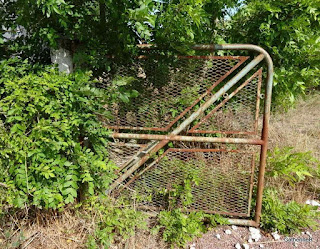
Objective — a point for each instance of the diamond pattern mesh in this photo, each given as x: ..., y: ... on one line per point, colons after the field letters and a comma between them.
x: 237, y: 115
x: 120, y: 152
x: 224, y: 180
x: 166, y: 88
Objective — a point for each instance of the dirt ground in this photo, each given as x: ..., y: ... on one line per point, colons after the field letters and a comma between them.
x: 241, y: 236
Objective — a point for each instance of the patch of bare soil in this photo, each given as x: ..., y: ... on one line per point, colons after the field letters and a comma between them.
x: 241, y: 236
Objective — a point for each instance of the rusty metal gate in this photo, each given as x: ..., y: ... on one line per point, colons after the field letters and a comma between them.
x: 204, y: 115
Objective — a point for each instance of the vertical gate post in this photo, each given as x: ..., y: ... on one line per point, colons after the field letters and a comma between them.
x: 264, y: 147
x: 266, y: 116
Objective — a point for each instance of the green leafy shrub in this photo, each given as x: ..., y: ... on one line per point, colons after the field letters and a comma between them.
x: 52, y: 145
x: 119, y: 91
x: 287, y: 168
x: 179, y: 227
x: 290, y: 166
x: 115, y: 221
x: 289, y: 31
x: 286, y: 217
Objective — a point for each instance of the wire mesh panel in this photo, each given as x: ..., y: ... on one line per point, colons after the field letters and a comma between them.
x: 121, y: 152
x: 237, y: 113
x: 222, y: 180
x: 166, y: 89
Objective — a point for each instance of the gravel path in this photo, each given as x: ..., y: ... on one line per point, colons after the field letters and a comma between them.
x: 241, y: 235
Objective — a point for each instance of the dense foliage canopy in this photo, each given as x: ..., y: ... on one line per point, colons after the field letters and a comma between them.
x: 290, y: 32
x: 91, y: 29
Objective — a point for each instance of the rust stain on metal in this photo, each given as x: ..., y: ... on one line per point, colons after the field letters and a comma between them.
x: 188, y: 138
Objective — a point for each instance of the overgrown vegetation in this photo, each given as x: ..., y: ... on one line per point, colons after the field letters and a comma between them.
x: 176, y: 223
x: 179, y: 227
x: 52, y: 143
x: 289, y: 31
x: 292, y: 167
x: 116, y: 223
x: 286, y: 169
x: 286, y: 218
x: 92, y: 29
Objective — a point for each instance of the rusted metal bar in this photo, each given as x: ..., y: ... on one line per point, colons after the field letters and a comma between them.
x: 223, y: 132
x: 241, y: 222
x: 264, y: 147
x: 132, y: 167
x: 189, y: 138
x: 258, y: 102
x: 208, y: 150
x: 249, y: 47
x: 251, y: 183
x: 219, y: 212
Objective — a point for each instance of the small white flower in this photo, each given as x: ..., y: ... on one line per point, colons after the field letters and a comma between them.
x: 227, y: 231
x: 218, y: 236
x: 193, y: 246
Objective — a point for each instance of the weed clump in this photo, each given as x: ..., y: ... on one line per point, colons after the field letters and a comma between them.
x: 287, y: 218
x: 286, y: 170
